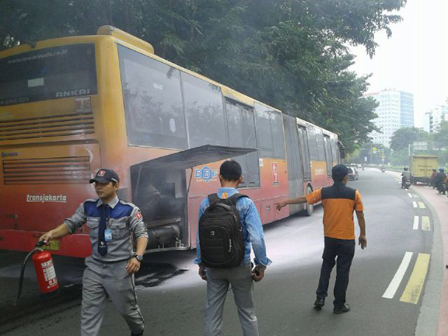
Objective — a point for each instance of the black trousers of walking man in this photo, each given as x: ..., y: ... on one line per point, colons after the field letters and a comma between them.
x: 344, y: 250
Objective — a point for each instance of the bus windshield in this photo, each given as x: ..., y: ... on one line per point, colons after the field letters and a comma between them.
x: 49, y: 73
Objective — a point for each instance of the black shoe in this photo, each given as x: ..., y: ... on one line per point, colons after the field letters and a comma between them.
x: 340, y: 310
x: 139, y: 334
x: 319, y: 303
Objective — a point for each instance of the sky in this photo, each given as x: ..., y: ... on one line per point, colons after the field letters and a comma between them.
x: 414, y: 59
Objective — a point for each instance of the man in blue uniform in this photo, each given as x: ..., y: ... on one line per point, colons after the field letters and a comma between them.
x: 110, y: 269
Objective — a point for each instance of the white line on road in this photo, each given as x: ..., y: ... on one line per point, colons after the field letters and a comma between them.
x: 415, y: 227
x: 410, y: 195
x: 395, y: 283
x: 414, y: 204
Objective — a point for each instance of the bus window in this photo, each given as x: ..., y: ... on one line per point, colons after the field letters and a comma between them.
x: 269, y: 132
x: 241, y: 125
x: 314, y: 154
x: 153, y: 101
x: 204, y: 110
x: 264, y: 133
x: 277, y: 134
x: 328, y: 154
x: 49, y: 73
x: 320, y: 144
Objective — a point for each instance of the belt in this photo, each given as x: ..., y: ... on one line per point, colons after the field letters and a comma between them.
x: 110, y: 261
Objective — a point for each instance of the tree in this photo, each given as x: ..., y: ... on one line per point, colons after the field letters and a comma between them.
x: 441, y: 137
x: 291, y: 54
x: 403, y: 137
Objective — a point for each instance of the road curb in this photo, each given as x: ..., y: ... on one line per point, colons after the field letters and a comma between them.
x: 428, y: 318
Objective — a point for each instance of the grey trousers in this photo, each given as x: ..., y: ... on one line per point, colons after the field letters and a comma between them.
x: 218, y: 281
x: 102, y: 281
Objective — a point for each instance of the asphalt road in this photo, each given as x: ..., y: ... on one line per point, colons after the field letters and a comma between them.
x: 384, y: 300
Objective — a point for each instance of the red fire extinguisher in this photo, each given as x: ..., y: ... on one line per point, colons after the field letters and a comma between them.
x: 43, y: 265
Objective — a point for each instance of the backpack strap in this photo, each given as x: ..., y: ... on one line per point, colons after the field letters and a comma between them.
x: 234, y: 198
x: 213, y: 199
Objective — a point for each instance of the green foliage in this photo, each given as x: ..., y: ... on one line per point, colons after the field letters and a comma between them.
x: 376, y: 154
x: 400, y: 158
x: 441, y: 137
x: 291, y: 54
x: 403, y: 137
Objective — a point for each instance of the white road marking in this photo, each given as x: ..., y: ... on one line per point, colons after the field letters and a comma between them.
x: 414, y: 204
x: 395, y: 283
x: 422, y: 205
x: 415, y: 227
x: 410, y: 195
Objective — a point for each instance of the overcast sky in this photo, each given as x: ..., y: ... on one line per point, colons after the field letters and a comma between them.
x: 415, y: 58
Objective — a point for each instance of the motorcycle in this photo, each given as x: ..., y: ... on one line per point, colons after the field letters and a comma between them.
x: 441, y: 188
x: 406, y: 184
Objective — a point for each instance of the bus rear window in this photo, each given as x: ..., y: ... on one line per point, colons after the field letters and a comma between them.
x: 50, y: 73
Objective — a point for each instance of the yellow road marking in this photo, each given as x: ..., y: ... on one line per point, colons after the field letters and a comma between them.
x: 421, y: 205
x: 425, y: 223
x: 414, y: 287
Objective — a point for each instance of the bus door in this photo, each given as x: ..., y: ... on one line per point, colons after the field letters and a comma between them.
x: 160, y: 189
x: 305, y: 152
x: 295, y: 162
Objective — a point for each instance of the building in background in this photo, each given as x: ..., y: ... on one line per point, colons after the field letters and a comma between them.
x: 395, y: 110
x: 433, y: 118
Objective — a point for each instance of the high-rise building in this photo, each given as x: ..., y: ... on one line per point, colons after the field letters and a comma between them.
x: 395, y: 110
x: 433, y: 118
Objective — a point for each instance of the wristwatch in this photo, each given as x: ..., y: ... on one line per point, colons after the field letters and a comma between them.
x: 139, y: 257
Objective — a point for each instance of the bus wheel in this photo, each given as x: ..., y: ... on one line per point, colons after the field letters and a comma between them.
x: 309, y: 207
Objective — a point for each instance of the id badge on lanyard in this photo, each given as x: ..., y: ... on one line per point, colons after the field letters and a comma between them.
x: 108, y: 233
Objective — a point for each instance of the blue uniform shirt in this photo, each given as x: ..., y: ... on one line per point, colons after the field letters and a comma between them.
x: 252, y: 227
x: 125, y: 221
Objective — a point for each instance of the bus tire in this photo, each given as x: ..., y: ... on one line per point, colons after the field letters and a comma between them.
x: 309, y: 207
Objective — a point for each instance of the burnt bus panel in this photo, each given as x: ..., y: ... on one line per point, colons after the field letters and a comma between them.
x: 194, y: 157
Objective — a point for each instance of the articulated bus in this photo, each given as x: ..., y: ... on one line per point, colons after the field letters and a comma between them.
x: 69, y: 106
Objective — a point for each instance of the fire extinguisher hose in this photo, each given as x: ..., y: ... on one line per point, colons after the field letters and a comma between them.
x: 22, y: 272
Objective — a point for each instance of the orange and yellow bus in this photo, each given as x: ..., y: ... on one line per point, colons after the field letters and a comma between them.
x: 69, y: 106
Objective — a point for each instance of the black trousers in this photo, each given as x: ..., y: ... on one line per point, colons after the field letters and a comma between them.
x: 344, y: 251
